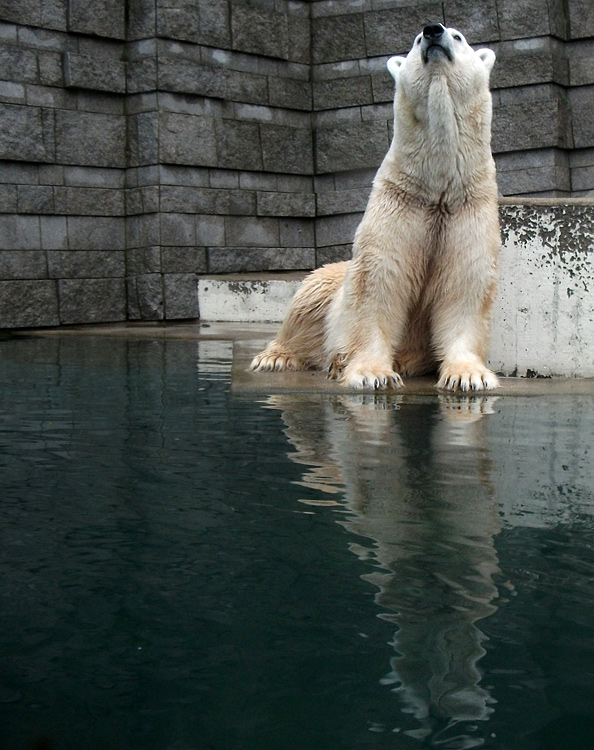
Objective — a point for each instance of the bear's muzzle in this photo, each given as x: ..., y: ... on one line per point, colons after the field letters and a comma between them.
x: 436, y: 43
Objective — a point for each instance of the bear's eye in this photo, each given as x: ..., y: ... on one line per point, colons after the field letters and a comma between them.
x: 418, y: 40
x: 457, y: 37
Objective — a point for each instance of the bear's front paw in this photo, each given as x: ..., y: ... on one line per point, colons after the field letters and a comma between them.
x: 466, y: 376
x: 364, y: 378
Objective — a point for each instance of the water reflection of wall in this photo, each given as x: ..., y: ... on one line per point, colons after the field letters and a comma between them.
x: 542, y: 455
x: 431, y: 485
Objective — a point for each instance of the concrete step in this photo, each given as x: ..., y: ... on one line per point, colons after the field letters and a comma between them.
x: 247, y: 298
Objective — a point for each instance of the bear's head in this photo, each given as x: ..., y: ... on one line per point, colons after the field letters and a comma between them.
x: 438, y: 51
x: 442, y: 108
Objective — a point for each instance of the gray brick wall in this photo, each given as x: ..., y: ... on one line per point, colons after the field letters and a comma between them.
x: 144, y: 143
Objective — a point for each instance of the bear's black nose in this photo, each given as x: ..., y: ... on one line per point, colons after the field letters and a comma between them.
x: 433, y: 31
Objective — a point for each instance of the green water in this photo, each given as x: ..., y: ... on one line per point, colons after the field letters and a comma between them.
x: 185, y: 569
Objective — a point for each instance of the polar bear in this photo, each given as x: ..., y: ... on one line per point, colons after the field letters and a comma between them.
x: 418, y: 292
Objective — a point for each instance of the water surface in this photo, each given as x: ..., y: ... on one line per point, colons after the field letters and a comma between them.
x: 186, y: 569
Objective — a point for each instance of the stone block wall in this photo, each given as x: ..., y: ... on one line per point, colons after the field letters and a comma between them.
x: 144, y: 143
x: 63, y: 169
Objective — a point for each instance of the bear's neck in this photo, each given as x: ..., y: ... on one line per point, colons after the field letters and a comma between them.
x: 439, y: 153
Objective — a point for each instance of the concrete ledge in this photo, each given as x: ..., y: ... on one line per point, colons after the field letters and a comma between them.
x: 252, y: 383
x: 519, y: 201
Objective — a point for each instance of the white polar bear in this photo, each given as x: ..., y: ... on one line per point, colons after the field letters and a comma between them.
x: 418, y: 292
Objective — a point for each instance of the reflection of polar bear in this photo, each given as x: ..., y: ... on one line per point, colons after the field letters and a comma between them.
x: 419, y: 485
x: 420, y: 287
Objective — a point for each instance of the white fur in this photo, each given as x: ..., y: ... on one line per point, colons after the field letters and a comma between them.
x: 419, y: 289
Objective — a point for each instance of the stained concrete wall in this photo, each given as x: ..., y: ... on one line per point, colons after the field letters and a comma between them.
x: 146, y: 144
x: 543, y: 320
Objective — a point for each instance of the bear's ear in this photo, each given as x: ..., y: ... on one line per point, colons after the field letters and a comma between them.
x: 488, y: 58
x: 394, y: 65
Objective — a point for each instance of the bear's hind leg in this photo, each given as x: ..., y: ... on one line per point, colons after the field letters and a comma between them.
x: 278, y: 358
x: 299, y: 345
